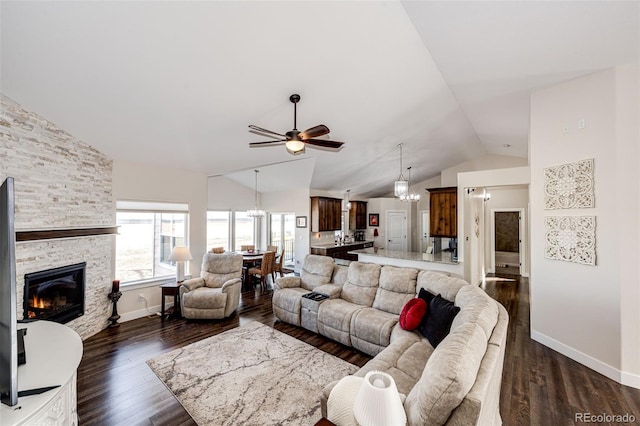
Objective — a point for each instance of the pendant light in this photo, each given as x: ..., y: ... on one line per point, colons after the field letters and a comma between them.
x: 347, y: 203
x: 401, y: 186
x: 256, y: 212
x: 411, y: 195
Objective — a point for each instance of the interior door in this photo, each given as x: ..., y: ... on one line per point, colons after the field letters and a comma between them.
x: 424, y: 230
x: 397, y: 230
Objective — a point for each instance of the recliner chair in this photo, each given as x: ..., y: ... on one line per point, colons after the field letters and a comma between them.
x: 216, y: 293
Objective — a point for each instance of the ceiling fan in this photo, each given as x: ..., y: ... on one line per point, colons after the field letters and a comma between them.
x: 295, y: 140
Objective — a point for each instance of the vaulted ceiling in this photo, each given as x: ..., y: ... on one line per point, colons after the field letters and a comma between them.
x: 176, y: 83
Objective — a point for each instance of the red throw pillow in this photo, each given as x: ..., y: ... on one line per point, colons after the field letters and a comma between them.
x: 412, y: 313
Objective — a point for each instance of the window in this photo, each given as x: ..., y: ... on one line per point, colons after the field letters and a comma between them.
x: 147, y: 233
x: 243, y: 230
x: 219, y: 229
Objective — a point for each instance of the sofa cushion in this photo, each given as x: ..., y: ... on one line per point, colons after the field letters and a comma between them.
x: 396, y: 287
x: 334, y: 319
x: 412, y: 314
x: 404, y: 360
x: 448, y: 376
x: 437, y: 322
x: 217, y: 269
x: 476, y: 307
x: 440, y: 283
x: 361, y: 284
x: 371, y: 330
x: 316, y: 270
x: 339, y: 274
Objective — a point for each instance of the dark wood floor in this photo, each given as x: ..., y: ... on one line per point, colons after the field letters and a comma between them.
x: 540, y: 386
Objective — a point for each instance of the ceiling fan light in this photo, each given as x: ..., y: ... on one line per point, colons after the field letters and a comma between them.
x: 295, y: 147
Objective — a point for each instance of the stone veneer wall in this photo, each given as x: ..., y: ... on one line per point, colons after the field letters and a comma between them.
x: 60, y: 182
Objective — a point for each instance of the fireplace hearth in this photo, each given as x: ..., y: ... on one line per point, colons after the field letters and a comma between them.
x: 55, y: 294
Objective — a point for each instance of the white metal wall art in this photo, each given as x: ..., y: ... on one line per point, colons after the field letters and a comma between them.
x: 569, y: 186
x: 570, y: 239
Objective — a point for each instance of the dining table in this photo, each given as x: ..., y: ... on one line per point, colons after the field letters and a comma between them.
x: 250, y: 258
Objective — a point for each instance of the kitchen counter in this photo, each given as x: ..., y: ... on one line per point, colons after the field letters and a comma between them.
x: 437, y: 262
x: 332, y: 245
x: 340, y: 251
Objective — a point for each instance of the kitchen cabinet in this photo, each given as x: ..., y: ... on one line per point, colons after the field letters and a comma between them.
x: 443, y: 212
x: 358, y: 215
x: 326, y: 214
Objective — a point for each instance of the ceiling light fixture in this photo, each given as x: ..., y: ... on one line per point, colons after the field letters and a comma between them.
x: 347, y: 203
x: 400, y: 186
x: 256, y: 212
x: 411, y: 195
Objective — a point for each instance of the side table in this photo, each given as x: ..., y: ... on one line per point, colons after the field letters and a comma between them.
x: 171, y: 289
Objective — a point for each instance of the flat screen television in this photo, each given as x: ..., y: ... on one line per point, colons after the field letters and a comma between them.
x: 8, y: 320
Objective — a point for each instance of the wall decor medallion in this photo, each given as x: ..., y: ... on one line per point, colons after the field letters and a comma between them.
x: 570, y: 239
x: 569, y: 186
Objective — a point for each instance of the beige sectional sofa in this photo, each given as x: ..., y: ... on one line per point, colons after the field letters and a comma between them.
x: 457, y: 383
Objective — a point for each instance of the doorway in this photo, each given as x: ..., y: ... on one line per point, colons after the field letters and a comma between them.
x: 283, y: 234
x: 424, y: 231
x: 507, y: 241
x: 397, y: 230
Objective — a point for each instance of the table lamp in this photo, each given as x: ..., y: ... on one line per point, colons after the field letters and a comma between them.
x: 180, y: 254
x: 378, y: 401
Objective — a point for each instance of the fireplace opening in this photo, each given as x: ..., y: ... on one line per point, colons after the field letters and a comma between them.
x: 55, y: 294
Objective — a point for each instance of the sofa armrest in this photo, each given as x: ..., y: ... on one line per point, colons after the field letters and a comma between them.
x: 227, y: 286
x: 331, y: 290
x: 287, y: 282
x: 192, y: 284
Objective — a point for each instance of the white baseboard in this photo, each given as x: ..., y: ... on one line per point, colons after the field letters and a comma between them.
x: 140, y: 313
x: 605, y: 369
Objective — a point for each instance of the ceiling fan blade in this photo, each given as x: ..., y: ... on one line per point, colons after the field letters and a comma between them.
x: 314, y: 132
x: 324, y: 143
x: 260, y: 129
x: 265, y: 135
x: 279, y: 141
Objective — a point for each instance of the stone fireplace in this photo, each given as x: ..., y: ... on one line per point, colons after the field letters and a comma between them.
x: 55, y: 294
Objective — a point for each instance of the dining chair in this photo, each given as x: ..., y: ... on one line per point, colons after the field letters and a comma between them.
x: 272, y: 248
x: 247, y: 247
x: 265, y: 268
x: 217, y: 250
x: 278, y: 266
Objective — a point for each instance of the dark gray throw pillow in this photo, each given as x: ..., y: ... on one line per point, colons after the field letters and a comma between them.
x: 426, y: 295
x: 437, y: 323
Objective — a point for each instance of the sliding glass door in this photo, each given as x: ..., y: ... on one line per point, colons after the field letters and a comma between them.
x: 282, y: 234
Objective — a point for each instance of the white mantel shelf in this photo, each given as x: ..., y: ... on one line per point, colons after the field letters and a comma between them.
x: 53, y: 353
x: 440, y: 262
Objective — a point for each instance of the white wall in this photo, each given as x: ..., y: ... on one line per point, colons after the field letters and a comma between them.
x: 143, y: 182
x: 576, y: 309
x: 449, y: 177
x: 382, y: 206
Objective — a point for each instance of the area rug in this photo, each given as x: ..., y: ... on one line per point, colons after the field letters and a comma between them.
x: 252, y: 375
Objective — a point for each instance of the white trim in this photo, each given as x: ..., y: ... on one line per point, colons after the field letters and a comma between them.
x: 522, y: 237
x: 628, y: 379
x: 141, y: 313
x: 152, y: 206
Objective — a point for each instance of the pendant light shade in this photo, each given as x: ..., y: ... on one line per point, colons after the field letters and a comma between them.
x: 347, y: 203
x: 401, y: 186
x: 256, y: 212
x: 411, y: 195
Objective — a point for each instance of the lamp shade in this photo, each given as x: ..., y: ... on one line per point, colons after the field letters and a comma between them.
x: 378, y: 401
x: 180, y: 253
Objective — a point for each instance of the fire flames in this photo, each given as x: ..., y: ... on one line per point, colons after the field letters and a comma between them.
x: 37, y: 302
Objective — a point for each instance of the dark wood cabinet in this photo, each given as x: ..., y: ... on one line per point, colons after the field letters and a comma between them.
x: 443, y: 212
x: 358, y: 215
x: 326, y: 214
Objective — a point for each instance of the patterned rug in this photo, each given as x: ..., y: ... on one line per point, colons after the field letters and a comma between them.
x: 252, y: 375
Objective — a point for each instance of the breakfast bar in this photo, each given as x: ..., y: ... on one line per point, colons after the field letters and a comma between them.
x: 441, y: 261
